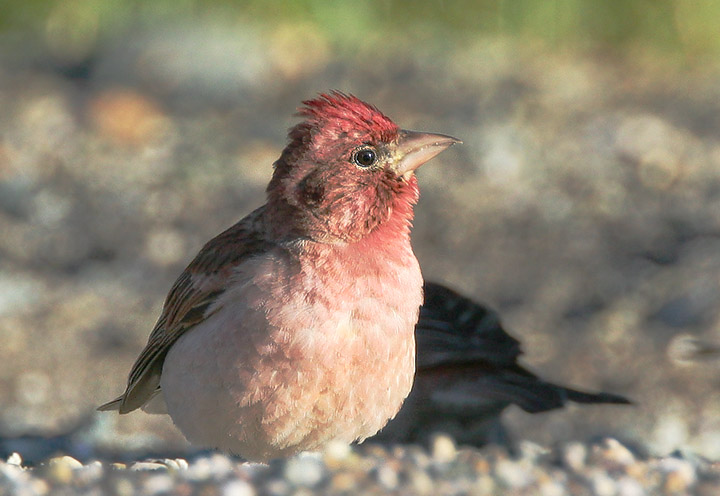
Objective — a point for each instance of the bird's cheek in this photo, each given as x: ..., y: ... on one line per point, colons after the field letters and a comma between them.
x: 312, y: 195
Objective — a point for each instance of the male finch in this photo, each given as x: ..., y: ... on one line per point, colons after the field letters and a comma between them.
x: 295, y: 326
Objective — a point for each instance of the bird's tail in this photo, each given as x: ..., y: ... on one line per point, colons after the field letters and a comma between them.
x: 111, y: 405
x: 583, y: 397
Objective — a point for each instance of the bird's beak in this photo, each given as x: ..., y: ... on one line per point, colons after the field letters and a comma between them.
x: 414, y: 149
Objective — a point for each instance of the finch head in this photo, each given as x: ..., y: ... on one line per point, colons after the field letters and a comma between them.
x: 347, y: 170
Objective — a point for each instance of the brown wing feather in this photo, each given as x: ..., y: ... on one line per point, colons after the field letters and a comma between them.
x: 187, y: 304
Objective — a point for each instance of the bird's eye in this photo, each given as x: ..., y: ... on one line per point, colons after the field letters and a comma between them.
x: 364, y: 157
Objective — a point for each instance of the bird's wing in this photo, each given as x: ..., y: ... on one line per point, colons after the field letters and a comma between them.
x: 454, y: 329
x: 188, y: 304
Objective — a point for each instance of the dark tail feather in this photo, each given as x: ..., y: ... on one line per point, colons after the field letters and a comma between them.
x: 535, y: 395
x: 582, y: 397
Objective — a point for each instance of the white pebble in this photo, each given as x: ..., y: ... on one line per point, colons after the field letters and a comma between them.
x: 221, y: 465
x: 157, y: 484
x: 337, y: 450
x: 238, y: 488
x: 512, y: 474
x: 627, y: 486
x: 61, y: 469
x: 602, y: 484
x: 484, y: 486
x: 387, y: 477
x: 276, y: 487
x: 420, y: 482
x: 67, y: 461
x: 574, y: 455
x: 613, y: 451
x: 552, y: 488
x: 201, y: 469
x: 10, y: 471
x: 443, y: 448
x: 37, y: 487
x: 216, y: 466
x: 123, y: 487
x: 304, y: 470
x: 143, y: 466
x: 15, y: 459
x: 174, y: 463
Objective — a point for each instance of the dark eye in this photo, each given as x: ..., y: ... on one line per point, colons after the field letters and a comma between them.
x: 364, y: 157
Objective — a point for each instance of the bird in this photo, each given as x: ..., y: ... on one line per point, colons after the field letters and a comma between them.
x: 468, y: 373
x: 295, y: 326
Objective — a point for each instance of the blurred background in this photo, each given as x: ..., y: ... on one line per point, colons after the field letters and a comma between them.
x: 584, y: 205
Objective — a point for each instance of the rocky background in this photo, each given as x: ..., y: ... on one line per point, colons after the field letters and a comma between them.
x: 584, y: 205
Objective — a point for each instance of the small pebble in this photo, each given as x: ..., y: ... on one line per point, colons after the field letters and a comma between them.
x: 552, y: 488
x: 238, y: 488
x: 484, y: 486
x: 157, y: 484
x: 215, y: 466
x: 602, y: 484
x: 627, y: 486
x: 143, y: 466
x: 612, y: 452
x: 10, y: 472
x: 512, y: 474
x: 420, y: 482
x: 337, y: 450
x: 66, y: 460
x: 387, y: 477
x: 175, y: 464
x: 304, y: 470
x: 122, y: 487
x: 574, y: 455
x: 201, y: 469
x: 60, y: 469
x: 276, y: 487
x: 15, y: 459
x: 443, y: 449
x: 337, y: 454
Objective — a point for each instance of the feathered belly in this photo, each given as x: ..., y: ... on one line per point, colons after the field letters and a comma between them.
x: 346, y: 388
x: 268, y: 380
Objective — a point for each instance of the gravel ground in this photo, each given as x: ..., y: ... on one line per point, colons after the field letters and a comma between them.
x: 603, y: 468
x: 584, y: 207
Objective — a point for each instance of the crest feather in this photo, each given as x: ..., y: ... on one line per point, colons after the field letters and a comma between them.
x: 346, y: 113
